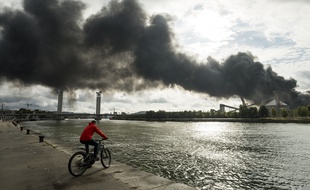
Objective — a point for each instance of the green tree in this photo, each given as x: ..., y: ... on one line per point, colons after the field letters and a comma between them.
x: 302, y: 111
x: 263, y: 111
x: 208, y: 114
x: 252, y: 112
x: 199, y: 114
x: 274, y: 112
x: 246, y: 112
x: 243, y: 111
x: 161, y: 114
x: 212, y: 113
x: 284, y: 113
x: 234, y: 114
x: 150, y: 114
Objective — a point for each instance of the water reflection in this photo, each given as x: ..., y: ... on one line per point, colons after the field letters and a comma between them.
x: 207, y: 155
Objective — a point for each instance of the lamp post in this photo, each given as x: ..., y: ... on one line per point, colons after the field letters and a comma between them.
x: 59, y: 106
x: 1, y: 111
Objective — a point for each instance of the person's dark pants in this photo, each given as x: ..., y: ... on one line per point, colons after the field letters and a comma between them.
x: 93, y: 143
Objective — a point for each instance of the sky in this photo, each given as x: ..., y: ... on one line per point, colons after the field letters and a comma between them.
x: 145, y: 55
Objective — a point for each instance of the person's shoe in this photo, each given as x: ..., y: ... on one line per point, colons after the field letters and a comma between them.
x: 96, y: 159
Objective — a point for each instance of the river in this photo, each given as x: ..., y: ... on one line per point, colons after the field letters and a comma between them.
x: 206, y: 155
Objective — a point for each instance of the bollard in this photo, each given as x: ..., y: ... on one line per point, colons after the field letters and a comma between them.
x: 28, y: 131
x: 41, y: 138
x: 21, y: 128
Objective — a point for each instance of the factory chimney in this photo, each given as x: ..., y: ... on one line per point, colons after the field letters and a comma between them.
x: 60, y: 97
x: 98, y: 104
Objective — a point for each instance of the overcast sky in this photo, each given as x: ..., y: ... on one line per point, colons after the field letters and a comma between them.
x: 275, y: 32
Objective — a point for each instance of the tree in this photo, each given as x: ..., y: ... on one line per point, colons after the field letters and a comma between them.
x: 234, y: 114
x: 199, y: 114
x: 212, y: 113
x: 302, y: 111
x: 161, y: 114
x: 243, y: 111
x: 253, y: 113
x: 274, y: 112
x: 246, y: 112
x: 263, y: 111
x: 284, y: 113
x: 150, y: 114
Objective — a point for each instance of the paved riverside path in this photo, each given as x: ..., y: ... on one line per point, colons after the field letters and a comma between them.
x: 28, y: 164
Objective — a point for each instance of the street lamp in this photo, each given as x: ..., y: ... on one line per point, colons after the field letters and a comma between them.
x: 1, y: 111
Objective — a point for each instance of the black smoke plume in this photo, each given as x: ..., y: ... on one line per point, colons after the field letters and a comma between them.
x: 121, y: 48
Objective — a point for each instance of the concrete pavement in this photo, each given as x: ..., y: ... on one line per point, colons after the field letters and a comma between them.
x: 29, y: 164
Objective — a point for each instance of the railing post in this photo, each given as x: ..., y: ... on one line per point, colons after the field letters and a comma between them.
x: 41, y: 138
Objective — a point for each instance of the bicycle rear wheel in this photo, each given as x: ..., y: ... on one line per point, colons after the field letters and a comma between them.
x: 105, y: 157
x: 77, y: 164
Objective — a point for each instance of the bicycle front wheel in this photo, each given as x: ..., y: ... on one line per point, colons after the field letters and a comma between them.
x: 105, y: 157
x: 77, y: 164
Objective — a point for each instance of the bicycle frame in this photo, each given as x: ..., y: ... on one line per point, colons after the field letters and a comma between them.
x: 100, y: 146
x: 90, y: 153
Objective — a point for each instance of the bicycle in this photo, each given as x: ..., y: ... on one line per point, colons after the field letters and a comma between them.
x: 82, y: 160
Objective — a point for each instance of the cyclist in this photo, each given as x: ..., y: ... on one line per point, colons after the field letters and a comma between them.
x: 87, y: 137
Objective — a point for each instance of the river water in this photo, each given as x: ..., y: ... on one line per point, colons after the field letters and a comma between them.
x: 206, y: 155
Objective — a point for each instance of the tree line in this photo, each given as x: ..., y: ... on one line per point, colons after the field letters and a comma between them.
x: 243, y: 112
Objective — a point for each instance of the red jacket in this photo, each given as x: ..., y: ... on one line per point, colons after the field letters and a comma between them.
x: 89, y: 131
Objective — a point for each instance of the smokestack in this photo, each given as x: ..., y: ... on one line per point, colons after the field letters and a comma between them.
x: 98, y: 103
x: 60, y: 97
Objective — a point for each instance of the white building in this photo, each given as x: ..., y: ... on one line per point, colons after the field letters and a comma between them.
x: 277, y: 105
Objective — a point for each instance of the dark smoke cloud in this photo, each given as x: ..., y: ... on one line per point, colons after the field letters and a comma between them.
x: 121, y: 48
x: 117, y: 28
x: 46, y: 44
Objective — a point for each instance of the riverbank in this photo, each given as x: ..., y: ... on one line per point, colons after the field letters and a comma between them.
x: 244, y: 120
x: 27, y: 163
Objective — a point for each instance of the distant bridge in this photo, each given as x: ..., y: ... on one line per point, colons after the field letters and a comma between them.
x: 52, y: 116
